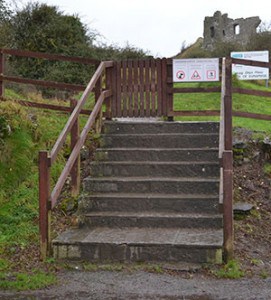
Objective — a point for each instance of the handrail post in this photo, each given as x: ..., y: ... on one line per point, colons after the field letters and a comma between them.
x: 75, y: 171
x: 108, y: 101
x: 44, y: 203
x: 98, y: 87
x: 227, y: 162
x: 2, y: 67
x: 228, y: 205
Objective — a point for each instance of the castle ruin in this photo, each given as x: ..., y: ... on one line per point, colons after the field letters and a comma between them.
x: 220, y: 28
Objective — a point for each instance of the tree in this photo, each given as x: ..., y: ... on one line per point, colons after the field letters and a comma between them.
x: 5, y: 15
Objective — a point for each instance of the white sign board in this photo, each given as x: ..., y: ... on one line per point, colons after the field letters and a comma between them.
x: 248, y: 72
x: 194, y: 70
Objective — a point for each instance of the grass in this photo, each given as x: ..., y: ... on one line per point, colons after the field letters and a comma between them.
x: 211, y: 101
x: 231, y: 270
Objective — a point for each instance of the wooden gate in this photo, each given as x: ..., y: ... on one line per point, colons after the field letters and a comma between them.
x: 139, y: 88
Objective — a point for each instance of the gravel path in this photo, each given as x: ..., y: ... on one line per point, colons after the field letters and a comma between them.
x: 143, y: 285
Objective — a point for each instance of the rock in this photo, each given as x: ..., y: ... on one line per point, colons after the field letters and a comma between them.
x: 242, y: 208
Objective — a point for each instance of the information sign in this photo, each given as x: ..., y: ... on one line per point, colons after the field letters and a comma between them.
x: 193, y: 70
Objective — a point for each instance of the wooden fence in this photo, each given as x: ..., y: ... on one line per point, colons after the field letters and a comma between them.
x: 133, y: 88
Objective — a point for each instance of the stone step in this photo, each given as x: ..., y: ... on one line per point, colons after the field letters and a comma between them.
x: 185, y: 203
x: 155, y: 169
x: 161, y: 140
x: 172, y: 185
x: 156, y: 154
x: 128, y: 245
x: 140, y: 126
x: 152, y: 219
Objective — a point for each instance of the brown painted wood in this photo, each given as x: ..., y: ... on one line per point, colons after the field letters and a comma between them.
x: 135, y: 88
x: 251, y: 115
x: 49, y: 84
x: 142, y: 88
x: 130, y: 89
x: 164, y: 86
x: 50, y: 106
x: 124, y: 88
x: 147, y: 88
x: 246, y: 62
x: 251, y: 92
x: 170, y: 108
x: 118, y: 89
x: 228, y: 105
x: 62, y: 137
x: 159, y: 87
x: 75, y: 171
x: 153, y: 88
x: 44, y: 207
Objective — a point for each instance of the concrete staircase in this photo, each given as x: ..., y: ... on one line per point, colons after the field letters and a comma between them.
x: 152, y: 196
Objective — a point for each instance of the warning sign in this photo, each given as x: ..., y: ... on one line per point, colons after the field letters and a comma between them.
x: 180, y: 75
x: 195, y: 75
x: 191, y: 70
x: 211, y: 74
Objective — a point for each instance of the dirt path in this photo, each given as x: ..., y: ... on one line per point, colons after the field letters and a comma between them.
x: 143, y: 285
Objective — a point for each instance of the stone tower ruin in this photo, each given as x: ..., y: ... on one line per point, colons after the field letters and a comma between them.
x: 220, y: 28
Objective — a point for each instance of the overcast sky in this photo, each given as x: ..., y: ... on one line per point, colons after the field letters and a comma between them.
x: 155, y: 25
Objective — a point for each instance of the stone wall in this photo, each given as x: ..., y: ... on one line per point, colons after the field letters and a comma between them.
x: 220, y: 28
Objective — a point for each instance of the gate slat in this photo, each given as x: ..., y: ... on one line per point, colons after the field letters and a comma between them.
x: 141, y: 88
x: 130, y: 88
x: 147, y: 87
x: 153, y: 88
x: 159, y: 86
x: 124, y: 88
x: 118, y: 89
x: 164, y: 86
x: 135, y: 65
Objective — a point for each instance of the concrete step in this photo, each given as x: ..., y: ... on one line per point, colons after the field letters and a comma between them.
x: 152, y: 219
x: 140, y: 126
x: 185, y: 203
x: 140, y: 245
x: 155, y: 169
x: 161, y: 140
x: 156, y: 154
x: 172, y: 185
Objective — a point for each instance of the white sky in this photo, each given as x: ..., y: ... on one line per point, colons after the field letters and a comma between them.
x: 155, y: 25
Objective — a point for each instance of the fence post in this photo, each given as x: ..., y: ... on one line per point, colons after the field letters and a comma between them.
x: 98, y: 87
x: 170, y: 116
x: 108, y: 101
x: 75, y: 171
x: 2, y: 67
x: 44, y: 203
x: 227, y: 160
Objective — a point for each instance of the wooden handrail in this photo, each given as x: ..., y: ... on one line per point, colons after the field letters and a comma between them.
x: 76, y: 150
x: 254, y: 63
x: 47, y: 199
x: 62, y: 137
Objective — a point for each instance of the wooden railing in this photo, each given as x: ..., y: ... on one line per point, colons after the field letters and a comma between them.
x: 4, y: 78
x: 48, y: 198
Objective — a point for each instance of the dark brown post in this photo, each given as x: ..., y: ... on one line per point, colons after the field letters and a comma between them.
x: 108, y: 101
x: 98, y: 87
x: 2, y: 66
x: 169, y: 91
x: 75, y: 171
x: 164, y: 87
x: 227, y: 161
x: 44, y: 203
